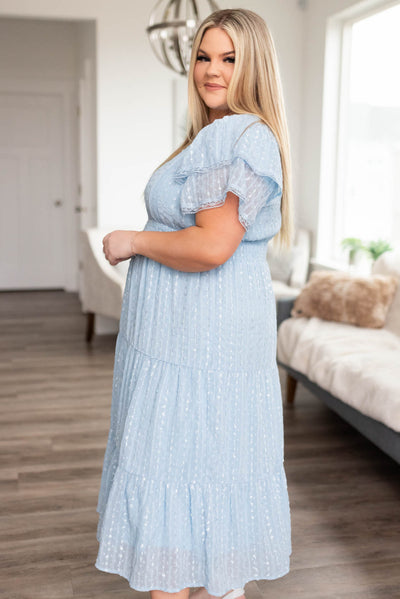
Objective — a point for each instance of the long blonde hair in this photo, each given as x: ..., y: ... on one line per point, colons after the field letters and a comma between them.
x: 255, y: 87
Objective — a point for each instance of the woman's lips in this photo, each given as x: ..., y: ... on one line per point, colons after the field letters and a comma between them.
x: 213, y: 86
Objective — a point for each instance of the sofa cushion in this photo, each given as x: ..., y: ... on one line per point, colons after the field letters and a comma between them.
x: 342, y: 297
x: 355, y: 364
x: 290, y: 266
x: 281, y: 290
x: 280, y: 264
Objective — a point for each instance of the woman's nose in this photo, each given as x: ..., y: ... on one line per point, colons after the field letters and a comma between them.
x: 213, y: 68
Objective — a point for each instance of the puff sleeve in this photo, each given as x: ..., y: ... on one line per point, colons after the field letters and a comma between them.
x: 236, y: 153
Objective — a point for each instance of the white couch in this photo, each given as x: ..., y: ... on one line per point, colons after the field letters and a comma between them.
x: 290, y: 268
x: 354, y: 370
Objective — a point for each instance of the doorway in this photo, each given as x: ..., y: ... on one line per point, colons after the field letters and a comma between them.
x: 47, y: 148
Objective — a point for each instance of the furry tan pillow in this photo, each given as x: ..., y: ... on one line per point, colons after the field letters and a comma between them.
x: 338, y: 296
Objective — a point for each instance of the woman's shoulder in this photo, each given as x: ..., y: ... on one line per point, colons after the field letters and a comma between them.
x: 235, y: 135
x: 233, y: 125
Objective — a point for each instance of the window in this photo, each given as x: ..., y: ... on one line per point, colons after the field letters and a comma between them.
x: 365, y: 177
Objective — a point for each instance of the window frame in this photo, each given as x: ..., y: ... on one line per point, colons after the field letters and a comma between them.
x: 335, y: 102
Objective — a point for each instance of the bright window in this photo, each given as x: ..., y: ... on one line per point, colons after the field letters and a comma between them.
x: 367, y: 196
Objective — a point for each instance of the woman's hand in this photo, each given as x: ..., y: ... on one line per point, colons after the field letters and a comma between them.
x: 118, y: 246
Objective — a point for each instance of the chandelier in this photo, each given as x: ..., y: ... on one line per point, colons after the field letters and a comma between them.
x: 172, y: 27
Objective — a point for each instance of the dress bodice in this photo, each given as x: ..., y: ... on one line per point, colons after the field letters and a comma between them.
x: 237, y: 153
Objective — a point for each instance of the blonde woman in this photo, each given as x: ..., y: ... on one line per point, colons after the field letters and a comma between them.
x: 193, y: 490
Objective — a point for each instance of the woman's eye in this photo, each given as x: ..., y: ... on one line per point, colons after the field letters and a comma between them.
x: 229, y: 59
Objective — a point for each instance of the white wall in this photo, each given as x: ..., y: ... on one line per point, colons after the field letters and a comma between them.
x: 37, y: 49
x: 134, y: 117
x: 86, y: 61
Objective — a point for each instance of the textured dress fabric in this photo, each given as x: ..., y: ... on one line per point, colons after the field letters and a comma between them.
x: 193, y: 489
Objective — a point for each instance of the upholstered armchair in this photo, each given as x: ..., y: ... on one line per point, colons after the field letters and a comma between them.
x: 289, y: 271
x: 102, y: 285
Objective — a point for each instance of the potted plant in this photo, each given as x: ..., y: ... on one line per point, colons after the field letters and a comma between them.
x: 354, y: 245
x: 376, y: 248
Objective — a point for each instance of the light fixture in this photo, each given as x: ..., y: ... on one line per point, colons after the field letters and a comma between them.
x: 172, y: 27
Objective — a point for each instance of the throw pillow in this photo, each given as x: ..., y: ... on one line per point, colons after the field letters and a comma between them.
x: 342, y: 297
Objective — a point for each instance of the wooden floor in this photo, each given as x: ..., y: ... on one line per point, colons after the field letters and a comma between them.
x: 55, y: 395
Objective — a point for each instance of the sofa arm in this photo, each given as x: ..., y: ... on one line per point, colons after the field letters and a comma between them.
x: 284, y: 306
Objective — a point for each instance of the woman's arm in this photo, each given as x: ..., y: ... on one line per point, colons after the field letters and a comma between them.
x: 188, y: 249
x: 209, y: 243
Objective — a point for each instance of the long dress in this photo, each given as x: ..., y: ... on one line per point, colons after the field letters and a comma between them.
x: 193, y: 490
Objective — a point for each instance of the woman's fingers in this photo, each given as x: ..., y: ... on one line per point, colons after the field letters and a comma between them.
x: 105, y: 251
x: 116, y: 247
x: 106, y: 248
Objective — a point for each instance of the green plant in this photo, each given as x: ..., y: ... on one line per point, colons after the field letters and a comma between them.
x: 373, y: 249
x: 377, y: 248
x: 354, y: 245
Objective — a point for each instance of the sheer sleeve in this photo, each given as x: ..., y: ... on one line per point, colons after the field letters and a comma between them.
x: 236, y: 158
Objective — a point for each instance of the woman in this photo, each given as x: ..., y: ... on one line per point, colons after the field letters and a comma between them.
x: 193, y: 490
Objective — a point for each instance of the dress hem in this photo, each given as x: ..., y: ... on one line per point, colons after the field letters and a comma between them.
x: 235, y: 584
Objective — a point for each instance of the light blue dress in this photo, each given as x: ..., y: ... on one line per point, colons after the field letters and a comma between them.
x: 193, y: 490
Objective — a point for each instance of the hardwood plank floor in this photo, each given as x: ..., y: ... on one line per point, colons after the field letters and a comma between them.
x: 55, y: 397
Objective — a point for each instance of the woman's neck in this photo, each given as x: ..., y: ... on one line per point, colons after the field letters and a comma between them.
x: 213, y: 115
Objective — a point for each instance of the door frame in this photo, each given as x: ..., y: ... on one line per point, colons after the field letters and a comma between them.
x: 66, y: 89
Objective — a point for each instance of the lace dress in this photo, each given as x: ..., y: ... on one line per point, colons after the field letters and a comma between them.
x: 193, y: 489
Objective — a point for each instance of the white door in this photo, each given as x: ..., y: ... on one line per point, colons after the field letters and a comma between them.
x: 32, y: 206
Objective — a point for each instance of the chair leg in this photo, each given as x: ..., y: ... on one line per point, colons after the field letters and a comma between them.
x: 291, y: 384
x: 89, y: 326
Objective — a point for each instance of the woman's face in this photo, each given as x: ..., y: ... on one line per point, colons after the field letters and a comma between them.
x: 213, y: 70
